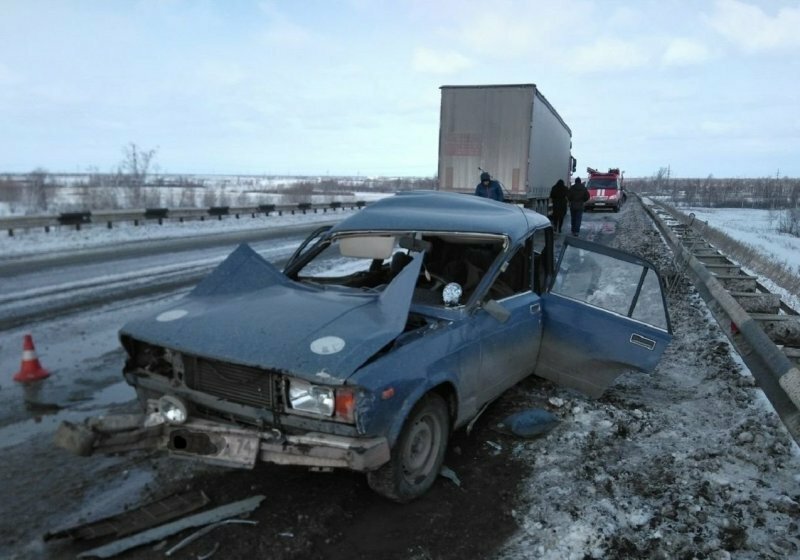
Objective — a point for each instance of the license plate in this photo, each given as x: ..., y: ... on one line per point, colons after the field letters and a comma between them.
x: 240, y: 450
x: 599, y: 203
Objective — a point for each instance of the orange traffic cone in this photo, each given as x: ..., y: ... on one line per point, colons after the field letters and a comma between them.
x: 31, y: 369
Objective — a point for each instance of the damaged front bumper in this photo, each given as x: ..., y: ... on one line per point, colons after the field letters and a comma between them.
x: 221, y: 444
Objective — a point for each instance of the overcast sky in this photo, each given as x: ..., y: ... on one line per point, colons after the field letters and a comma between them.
x: 352, y: 87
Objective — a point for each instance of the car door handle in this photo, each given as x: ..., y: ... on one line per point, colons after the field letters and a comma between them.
x: 643, y: 341
x: 536, y: 308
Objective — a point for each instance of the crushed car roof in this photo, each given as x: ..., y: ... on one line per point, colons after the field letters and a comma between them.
x: 441, y: 211
x: 247, y: 312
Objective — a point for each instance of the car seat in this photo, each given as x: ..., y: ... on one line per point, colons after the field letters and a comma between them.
x: 399, y: 262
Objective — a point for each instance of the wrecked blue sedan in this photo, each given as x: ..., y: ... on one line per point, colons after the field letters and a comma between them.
x: 381, y: 335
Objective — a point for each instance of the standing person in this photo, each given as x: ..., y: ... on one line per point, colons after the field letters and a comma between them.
x: 578, y: 195
x: 489, y: 188
x: 559, y: 194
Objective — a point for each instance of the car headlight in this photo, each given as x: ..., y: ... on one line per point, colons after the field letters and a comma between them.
x: 172, y: 410
x: 314, y: 399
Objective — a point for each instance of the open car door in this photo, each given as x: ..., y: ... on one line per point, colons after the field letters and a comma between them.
x: 605, y: 314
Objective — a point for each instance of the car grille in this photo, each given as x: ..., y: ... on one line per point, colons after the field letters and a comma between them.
x: 216, y: 415
x: 239, y: 384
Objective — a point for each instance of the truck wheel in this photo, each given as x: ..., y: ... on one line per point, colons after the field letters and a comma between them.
x: 417, y: 455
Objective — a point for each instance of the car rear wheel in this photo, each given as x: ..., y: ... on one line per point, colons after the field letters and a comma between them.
x: 418, y: 454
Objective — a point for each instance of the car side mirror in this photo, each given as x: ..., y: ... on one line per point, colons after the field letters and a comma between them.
x: 496, y: 310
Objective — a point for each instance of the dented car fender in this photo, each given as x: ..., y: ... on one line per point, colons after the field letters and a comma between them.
x: 444, y: 380
x: 392, y: 397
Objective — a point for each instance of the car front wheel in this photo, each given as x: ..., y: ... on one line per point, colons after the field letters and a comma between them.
x: 418, y: 454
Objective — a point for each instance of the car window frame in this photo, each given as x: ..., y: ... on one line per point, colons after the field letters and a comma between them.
x: 621, y: 255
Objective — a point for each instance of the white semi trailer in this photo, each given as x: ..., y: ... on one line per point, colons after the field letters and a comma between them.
x: 510, y: 131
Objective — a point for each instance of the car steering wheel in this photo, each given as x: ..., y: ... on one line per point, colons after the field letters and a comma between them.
x: 436, y: 280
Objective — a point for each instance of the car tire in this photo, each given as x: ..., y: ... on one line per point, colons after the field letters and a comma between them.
x: 616, y: 208
x: 417, y: 455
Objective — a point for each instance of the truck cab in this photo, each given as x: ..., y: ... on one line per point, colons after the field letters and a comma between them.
x: 606, y: 190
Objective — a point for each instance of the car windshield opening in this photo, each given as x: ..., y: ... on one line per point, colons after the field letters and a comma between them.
x: 449, y: 258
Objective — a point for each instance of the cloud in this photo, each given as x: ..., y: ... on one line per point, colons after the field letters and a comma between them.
x: 684, y: 52
x: 281, y: 31
x: 287, y: 34
x: 607, y: 55
x: 496, y: 33
x: 753, y: 30
x: 535, y: 34
x: 430, y: 61
x: 510, y: 30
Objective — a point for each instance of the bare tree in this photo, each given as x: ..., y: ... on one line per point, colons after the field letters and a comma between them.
x: 37, y: 195
x: 713, y: 192
x: 660, y: 180
x: 188, y: 198
x: 12, y: 193
x: 794, y: 195
x: 790, y: 222
x: 133, y: 171
x: 210, y: 197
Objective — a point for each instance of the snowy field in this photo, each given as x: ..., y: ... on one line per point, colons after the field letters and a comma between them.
x: 759, y: 229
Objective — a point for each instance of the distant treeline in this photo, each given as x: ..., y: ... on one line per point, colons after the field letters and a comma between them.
x: 781, y: 194
x: 42, y: 192
x: 771, y: 193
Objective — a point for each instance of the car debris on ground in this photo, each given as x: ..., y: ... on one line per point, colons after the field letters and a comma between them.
x: 132, y: 521
x: 151, y: 535
x: 530, y: 423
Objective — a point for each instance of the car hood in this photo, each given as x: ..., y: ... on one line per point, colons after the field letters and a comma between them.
x: 247, y: 312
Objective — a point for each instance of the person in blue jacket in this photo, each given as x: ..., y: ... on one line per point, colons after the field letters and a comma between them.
x: 489, y: 188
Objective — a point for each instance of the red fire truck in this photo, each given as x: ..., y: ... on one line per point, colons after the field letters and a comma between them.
x: 606, y: 190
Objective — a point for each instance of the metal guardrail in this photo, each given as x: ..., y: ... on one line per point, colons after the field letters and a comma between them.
x: 137, y: 216
x: 772, y: 356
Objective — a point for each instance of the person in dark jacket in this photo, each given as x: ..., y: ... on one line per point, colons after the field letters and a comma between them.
x: 558, y: 194
x: 578, y: 195
x: 489, y: 188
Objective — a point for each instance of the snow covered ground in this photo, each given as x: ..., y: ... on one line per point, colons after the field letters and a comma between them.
x: 754, y: 227
x: 758, y: 229
x: 690, y: 461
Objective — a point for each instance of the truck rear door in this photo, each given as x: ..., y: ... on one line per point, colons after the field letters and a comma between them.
x: 605, y: 314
